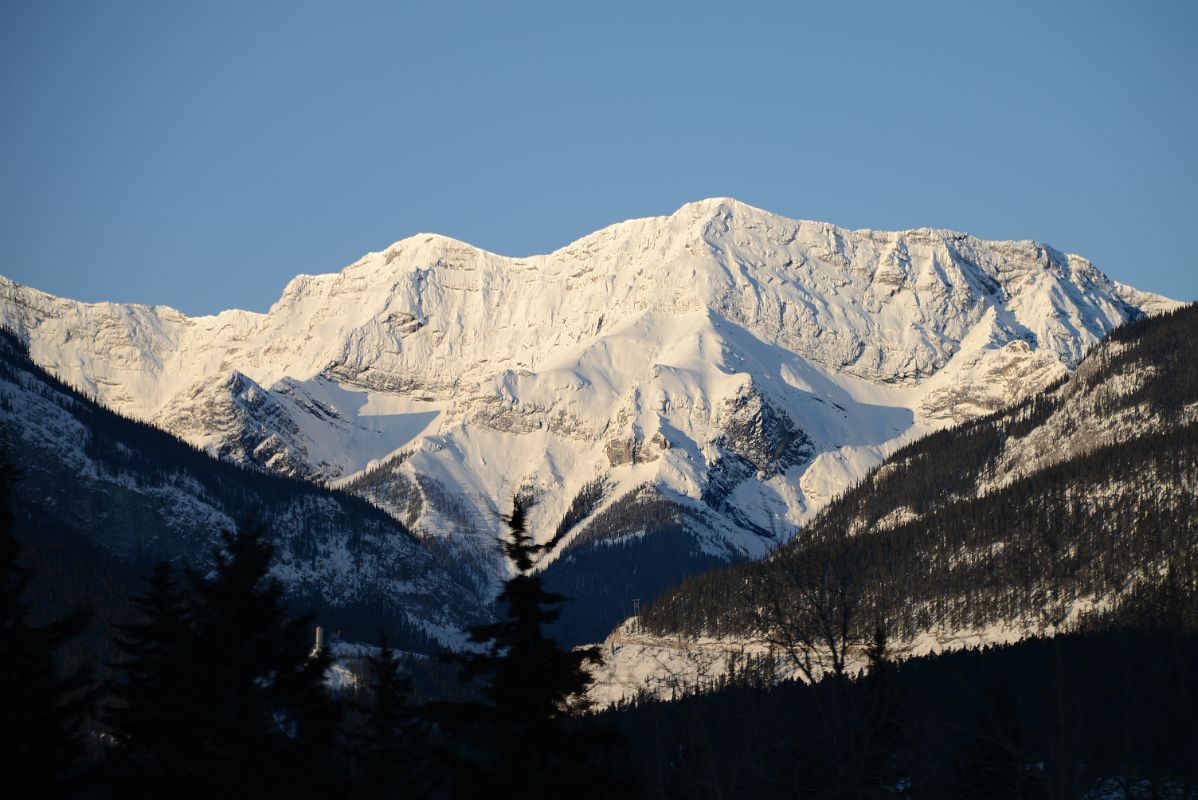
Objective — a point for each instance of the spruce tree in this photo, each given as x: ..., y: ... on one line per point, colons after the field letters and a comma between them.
x: 527, y: 747
x: 879, y: 736
x: 222, y: 694
x: 387, y: 742
x: 42, y: 712
x: 154, y: 703
x: 993, y: 763
x: 266, y: 719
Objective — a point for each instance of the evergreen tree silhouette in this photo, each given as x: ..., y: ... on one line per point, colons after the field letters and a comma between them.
x: 251, y: 714
x: 266, y: 719
x: 879, y: 737
x: 41, y: 711
x: 153, y: 707
x: 527, y: 746
x: 387, y: 743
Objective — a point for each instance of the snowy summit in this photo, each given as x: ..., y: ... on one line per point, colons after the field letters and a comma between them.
x: 739, y: 365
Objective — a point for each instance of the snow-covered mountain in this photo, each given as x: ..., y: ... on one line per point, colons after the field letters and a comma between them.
x: 721, y: 372
x: 1075, y: 509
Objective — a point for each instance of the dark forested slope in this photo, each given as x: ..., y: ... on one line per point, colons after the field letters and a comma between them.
x: 1095, y: 715
x: 101, y: 496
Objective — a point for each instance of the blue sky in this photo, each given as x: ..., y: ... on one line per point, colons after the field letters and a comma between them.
x: 202, y: 154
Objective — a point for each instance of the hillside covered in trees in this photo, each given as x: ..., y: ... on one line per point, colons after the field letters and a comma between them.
x: 1085, y: 715
x: 1075, y: 508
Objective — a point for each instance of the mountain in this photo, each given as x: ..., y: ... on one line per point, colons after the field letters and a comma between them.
x: 101, y: 497
x: 1076, y: 509
x: 669, y: 393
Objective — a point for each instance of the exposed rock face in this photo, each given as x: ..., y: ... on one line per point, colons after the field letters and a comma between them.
x: 631, y: 451
x: 764, y: 436
x: 244, y: 423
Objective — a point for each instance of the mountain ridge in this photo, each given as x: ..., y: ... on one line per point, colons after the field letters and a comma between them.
x: 742, y: 364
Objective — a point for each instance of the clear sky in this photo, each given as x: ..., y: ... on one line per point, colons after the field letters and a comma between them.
x: 200, y: 154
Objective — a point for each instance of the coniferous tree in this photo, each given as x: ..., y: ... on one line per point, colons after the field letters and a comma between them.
x: 266, y: 719
x: 878, y: 720
x: 251, y: 714
x: 153, y: 707
x: 42, y: 712
x: 387, y: 747
x: 525, y: 746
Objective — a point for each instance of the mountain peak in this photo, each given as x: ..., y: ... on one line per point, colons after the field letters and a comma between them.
x: 738, y: 365
x: 717, y: 205
x: 432, y: 240
x: 635, y: 340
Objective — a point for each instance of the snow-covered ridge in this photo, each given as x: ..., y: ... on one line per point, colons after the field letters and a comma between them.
x: 670, y: 350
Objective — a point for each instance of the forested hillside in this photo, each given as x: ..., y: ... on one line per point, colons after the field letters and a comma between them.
x: 1074, y: 508
x: 1094, y: 716
x: 607, y: 568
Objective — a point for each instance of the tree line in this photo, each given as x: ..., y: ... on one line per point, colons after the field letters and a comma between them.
x: 217, y: 690
x: 1089, y: 715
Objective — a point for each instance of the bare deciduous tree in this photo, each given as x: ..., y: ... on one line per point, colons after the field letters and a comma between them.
x: 809, y: 606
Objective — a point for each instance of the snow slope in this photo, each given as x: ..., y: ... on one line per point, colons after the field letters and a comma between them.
x: 742, y: 364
